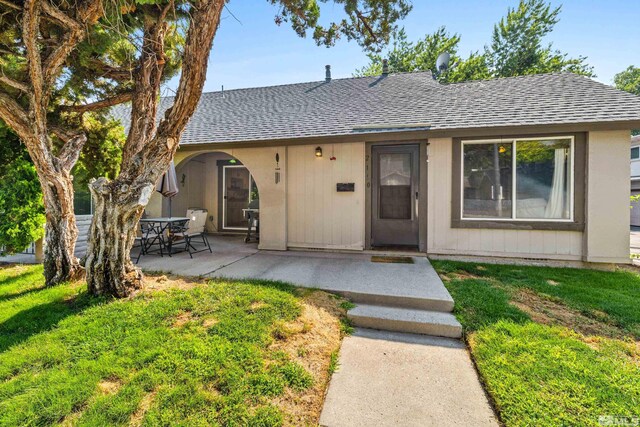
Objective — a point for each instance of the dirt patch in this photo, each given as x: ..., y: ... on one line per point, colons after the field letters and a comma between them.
x: 155, y: 282
x: 460, y: 276
x: 209, y: 322
x: 314, y: 336
x: 257, y: 305
x: 109, y: 386
x: 552, y: 282
x: 182, y: 319
x: 143, y: 407
x: 545, y: 311
x: 71, y: 419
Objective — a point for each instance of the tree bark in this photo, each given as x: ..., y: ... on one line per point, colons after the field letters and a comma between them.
x: 28, y: 117
x: 118, y: 207
x: 148, y: 151
x: 60, y: 263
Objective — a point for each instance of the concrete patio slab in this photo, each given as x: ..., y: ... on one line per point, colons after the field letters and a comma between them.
x: 396, y: 379
x: 352, y: 275
x: 226, y: 250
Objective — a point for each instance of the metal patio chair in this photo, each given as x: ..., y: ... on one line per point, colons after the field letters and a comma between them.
x: 194, y: 229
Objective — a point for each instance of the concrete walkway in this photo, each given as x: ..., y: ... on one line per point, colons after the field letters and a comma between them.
x: 396, y: 379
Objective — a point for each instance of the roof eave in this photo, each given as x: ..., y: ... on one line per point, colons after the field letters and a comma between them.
x: 379, y: 135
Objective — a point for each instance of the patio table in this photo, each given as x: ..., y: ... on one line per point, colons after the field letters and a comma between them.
x: 164, y: 225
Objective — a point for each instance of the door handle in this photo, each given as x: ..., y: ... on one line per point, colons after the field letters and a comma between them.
x: 416, y: 195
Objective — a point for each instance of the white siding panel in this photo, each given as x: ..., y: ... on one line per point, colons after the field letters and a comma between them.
x: 317, y: 215
x: 442, y: 239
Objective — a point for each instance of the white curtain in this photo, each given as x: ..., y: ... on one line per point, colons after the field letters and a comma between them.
x: 556, y: 204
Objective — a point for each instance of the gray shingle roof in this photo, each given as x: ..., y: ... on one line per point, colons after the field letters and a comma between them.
x: 401, y: 101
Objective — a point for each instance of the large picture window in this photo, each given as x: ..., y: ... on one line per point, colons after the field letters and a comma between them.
x: 518, y: 179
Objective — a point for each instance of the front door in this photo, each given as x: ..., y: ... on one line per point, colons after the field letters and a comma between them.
x: 394, y: 208
x: 238, y: 190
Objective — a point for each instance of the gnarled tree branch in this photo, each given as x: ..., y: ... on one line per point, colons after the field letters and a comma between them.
x: 147, y: 78
x: 365, y: 22
x: 70, y: 151
x: 15, y: 116
x: 98, y: 105
x: 14, y: 83
x: 87, y: 15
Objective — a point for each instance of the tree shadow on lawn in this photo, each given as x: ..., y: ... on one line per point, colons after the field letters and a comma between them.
x: 43, y: 317
x: 15, y: 278
x: 14, y: 295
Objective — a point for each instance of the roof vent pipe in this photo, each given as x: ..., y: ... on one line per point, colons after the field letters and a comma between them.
x: 327, y: 73
x: 385, y: 67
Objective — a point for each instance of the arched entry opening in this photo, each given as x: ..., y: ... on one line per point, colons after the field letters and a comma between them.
x: 218, y: 182
x: 267, y: 166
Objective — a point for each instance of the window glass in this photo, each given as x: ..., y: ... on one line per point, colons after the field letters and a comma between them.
x: 395, y: 186
x: 543, y: 179
x: 635, y: 153
x: 486, y: 181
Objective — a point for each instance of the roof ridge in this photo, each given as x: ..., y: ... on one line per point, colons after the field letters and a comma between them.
x: 306, y: 83
x: 522, y: 76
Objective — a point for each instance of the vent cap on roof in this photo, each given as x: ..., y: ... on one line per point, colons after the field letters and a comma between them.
x: 327, y: 73
x: 385, y: 67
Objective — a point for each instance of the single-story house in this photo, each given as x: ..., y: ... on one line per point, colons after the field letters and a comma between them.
x: 533, y: 167
x: 635, y: 180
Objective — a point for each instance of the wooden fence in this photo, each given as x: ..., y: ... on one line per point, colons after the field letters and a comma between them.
x: 83, y: 222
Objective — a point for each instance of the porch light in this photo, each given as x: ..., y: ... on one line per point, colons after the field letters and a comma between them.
x: 318, y: 151
x: 233, y: 161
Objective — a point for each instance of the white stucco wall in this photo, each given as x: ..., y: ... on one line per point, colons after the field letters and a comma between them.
x: 261, y: 164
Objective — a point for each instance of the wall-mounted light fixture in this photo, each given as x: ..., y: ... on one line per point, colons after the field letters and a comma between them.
x: 318, y: 151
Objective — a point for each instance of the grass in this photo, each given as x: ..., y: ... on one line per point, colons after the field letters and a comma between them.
x: 215, y: 354
x: 553, y: 346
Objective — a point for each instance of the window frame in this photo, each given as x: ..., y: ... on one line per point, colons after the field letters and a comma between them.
x: 576, y: 185
x: 631, y: 151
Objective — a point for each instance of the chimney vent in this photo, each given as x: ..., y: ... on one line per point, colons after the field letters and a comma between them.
x: 385, y: 67
x: 327, y: 73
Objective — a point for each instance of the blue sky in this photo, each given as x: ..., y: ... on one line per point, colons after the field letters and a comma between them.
x: 256, y: 52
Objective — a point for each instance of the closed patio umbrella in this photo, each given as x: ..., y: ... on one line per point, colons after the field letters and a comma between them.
x: 168, y: 184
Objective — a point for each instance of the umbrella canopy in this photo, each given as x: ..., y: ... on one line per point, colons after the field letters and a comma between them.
x: 168, y: 184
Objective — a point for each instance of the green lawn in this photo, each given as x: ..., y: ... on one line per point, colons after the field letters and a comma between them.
x: 553, y: 346
x: 202, y: 356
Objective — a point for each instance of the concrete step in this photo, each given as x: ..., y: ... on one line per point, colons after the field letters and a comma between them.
x: 397, y: 319
x: 443, y: 303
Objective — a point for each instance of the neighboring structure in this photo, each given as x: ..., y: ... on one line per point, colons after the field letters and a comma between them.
x: 532, y: 167
x: 635, y: 179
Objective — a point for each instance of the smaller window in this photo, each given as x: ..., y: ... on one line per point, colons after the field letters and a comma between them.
x: 635, y: 153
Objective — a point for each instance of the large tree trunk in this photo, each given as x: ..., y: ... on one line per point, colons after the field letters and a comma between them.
x: 117, y: 210
x: 60, y: 263
x: 148, y: 151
